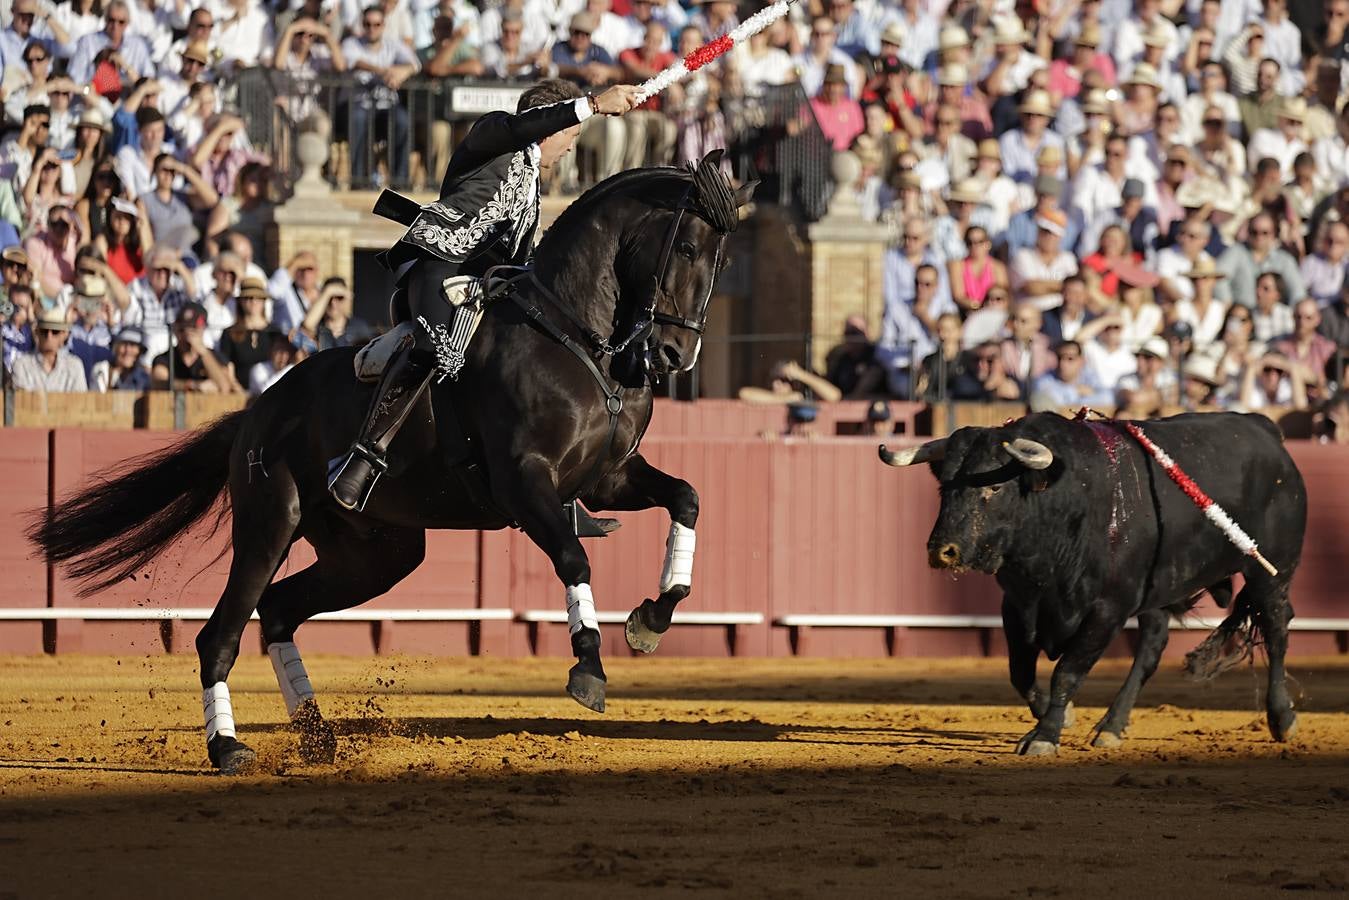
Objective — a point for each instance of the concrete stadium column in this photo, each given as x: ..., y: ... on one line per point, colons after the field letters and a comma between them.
x: 846, y: 264
x: 313, y: 219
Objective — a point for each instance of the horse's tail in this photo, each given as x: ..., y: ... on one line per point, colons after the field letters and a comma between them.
x: 131, y: 512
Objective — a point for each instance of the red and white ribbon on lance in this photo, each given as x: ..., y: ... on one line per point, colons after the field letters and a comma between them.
x: 1210, y: 508
x: 708, y: 52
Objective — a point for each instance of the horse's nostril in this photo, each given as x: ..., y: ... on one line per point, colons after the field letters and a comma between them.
x: 672, y: 356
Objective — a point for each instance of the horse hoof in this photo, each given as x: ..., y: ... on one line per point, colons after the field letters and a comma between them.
x: 1040, y: 748
x: 1106, y: 740
x: 230, y: 756
x: 1284, y: 725
x: 640, y: 638
x: 318, y: 741
x: 586, y: 689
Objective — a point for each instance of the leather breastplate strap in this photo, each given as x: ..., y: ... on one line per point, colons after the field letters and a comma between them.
x: 613, y: 396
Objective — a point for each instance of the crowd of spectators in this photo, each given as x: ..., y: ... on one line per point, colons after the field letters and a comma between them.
x: 1121, y: 205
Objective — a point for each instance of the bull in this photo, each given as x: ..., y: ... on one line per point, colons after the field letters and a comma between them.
x: 1083, y: 529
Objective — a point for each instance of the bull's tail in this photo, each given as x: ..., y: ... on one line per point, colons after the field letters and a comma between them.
x: 1231, y: 644
x: 117, y: 525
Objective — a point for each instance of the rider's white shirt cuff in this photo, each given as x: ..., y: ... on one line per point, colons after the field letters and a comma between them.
x: 582, y: 108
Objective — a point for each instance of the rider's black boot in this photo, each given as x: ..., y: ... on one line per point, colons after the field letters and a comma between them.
x: 351, y: 478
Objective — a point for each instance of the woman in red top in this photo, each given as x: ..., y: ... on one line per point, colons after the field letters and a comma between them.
x: 1111, y: 256
x: 126, y: 240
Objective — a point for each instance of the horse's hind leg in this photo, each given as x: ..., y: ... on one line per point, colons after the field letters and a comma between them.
x: 530, y: 496
x: 265, y: 516
x: 355, y: 563
x: 639, y: 485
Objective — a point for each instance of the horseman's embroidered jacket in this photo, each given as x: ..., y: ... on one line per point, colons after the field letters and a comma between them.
x: 489, y: 200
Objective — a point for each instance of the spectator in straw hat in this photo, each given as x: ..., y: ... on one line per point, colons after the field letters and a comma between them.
x: 963, y: 212
x: 839, y: 116
x: 1066, y: 74
x: 1283, y: 142
x: 1013, y: 65
x: 945, y: 143
x: 1020, y: 146
x: 1142, y: 97
x: 1202, y: 310
x: 49, y: 367
x: 90, y: 334
x: 999, y: 191
x: 246, y: 343
x: 892, y: 39
x: 972, y: 106
x: 1130, y: 36
x: 1156, y: 53
x: 1023, y: 229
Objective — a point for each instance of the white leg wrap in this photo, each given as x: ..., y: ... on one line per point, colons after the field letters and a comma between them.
x: 215, y: 703
x: 678, y: 558
x: 581, y: 609
x: 290, y: 674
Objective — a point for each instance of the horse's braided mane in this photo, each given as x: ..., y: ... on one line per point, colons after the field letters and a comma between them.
x: 713, y: 197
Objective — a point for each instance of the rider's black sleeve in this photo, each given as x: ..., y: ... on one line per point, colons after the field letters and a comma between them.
x: 501, y: 132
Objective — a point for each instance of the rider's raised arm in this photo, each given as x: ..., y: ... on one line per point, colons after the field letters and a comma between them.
x: 502, y: 132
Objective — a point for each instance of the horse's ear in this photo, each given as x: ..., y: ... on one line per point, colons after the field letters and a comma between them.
x: 713, y: 158
x: 745, y: 193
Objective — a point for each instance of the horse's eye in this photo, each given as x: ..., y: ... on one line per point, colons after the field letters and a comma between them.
x: 686, y: 249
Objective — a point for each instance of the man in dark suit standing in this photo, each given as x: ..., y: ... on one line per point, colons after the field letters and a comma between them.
x: 486, y: 216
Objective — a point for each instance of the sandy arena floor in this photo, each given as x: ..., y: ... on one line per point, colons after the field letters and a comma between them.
x: 772, y: 778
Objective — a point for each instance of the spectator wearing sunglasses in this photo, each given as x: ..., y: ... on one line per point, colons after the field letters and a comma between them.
x: 29, y: 26
x: 130, y: 55
x: 37, y: 68
x: 49, y: 367
x: 18, y: 152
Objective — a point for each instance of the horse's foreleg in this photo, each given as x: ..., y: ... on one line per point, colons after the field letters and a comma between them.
x: 530, y: 496
x: 639, y: 485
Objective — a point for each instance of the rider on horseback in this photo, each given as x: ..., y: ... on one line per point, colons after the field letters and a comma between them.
x: 486, y: 216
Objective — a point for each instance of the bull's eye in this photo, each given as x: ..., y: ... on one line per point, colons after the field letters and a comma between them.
x: 988, y: 492
x: 685, y: 249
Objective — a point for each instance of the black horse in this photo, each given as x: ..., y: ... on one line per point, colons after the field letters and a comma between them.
x: 548, y: 408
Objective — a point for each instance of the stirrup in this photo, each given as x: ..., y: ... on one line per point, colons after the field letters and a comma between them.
x: 359, y: 455
x: 584, y: 525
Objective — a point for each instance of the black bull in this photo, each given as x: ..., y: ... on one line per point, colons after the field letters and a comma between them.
x: 1083, y: 529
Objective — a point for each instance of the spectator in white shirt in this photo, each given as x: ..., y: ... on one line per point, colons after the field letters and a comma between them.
x: 1037, y: 273
x: 1021, y: 146
x: 1283, y: 42
x: 1202, y: 311
x: 1323, y: 271
x: 1011, y: 69
x: 1098, y: 190
x: 1283, y: 142
x: 135, y: 166
x: 245, y: 36
x: 200, y: 32
x: 130, y: 52
x: 819, y: 55
x: 1273, y: 314
x: 1107, y: 355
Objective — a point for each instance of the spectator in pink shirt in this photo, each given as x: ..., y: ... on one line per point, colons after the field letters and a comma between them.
x: 51, y: 252
x: 840, y: 117
x: 1065, y: 75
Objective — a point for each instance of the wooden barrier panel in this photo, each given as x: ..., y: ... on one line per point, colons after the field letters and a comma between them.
x: 23, y: 491
x: 114, y: 410
x: 787, y: 526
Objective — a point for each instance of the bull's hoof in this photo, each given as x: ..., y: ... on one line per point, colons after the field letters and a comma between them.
x: 1032, y: 744
x: 586, y: 688
x: 1106, y: 740
x: 640, y: 637
x: 318, y: 741
x: 230, y: 756
x: 1283, y: 725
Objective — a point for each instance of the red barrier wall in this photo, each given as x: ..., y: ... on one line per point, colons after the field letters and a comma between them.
x: 794, y: 525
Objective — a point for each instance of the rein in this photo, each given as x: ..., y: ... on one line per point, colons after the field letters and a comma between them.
x: 593, y: 345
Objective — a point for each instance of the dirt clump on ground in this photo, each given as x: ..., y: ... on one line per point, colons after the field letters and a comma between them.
x: 732, y: 778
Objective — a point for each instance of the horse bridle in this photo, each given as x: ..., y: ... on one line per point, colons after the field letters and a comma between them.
x: 650, y: 315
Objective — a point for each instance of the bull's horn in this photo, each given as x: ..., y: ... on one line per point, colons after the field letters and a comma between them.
x: 909, y: 456
x: 1031, y: 454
